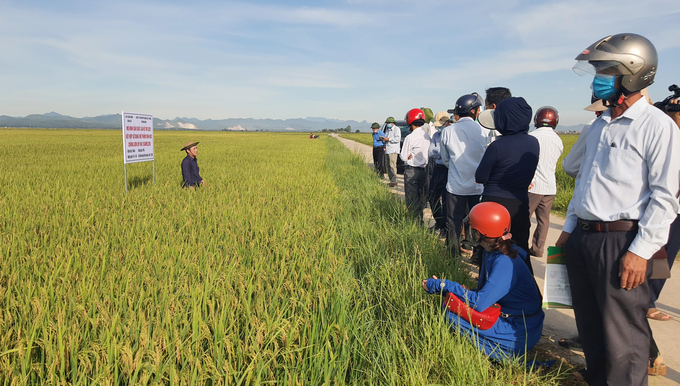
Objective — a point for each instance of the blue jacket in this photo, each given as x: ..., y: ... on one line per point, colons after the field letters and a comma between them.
x: 509, y: 163
x: 509, y: 283
x: 377, y: 142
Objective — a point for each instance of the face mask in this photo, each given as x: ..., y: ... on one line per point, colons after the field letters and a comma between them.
x: 389, y: 125
x: 603, y: 86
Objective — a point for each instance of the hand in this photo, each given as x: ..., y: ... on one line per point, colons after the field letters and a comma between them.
x: 410, y: 156
x: 564, y: 236
x: 632, y: 270
x: 531, y: 186
x: 424, y: 282
x: 202, y: 183
x: 386, y: 139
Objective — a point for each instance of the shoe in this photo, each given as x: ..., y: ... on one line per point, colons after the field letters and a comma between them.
x: 574, y: 342
x: 655, y: 314
x: 393, y: 184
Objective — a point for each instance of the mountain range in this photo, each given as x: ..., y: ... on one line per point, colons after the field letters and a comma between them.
x: 113, y: 121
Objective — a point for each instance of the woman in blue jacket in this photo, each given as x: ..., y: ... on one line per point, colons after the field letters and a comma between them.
x: 504, y: 279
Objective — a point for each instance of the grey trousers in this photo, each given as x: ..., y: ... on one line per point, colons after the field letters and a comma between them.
x: 391, y: 163
x: 611, y: 321
x: 541, y: 205
x: 415, y: 181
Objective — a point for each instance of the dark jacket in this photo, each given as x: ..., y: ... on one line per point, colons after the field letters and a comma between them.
x: 190, y: 174
x: 509, y: 163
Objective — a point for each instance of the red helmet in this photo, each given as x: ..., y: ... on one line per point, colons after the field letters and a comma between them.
x: 546, y: 116
x: 490, y: 219
x: 413, y: 115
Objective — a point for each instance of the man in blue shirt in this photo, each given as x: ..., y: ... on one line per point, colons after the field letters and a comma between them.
x: 190, y: 176
x: 379, y: 140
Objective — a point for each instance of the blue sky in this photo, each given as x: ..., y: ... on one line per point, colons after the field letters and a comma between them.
x: 352, y: 59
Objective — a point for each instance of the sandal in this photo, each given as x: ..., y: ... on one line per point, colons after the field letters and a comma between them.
x: 655, y: 314
x: 655, y: 369
x: 574, y: 342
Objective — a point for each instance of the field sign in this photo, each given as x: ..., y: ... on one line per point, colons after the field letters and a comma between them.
x: 137, y: 141
x: 137, y: 137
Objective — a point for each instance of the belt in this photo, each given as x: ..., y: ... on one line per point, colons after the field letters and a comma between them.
x: 608, y: 226
x: 413, y: 167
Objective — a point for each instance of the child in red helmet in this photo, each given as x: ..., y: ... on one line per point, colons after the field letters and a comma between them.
x: 504, y: 279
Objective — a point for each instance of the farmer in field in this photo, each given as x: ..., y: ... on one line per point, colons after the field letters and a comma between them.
x: 190, y: 176
x: 508, y: 166
x: 393, y: 135
x: 504, y: 281
x: 379, y: 139
x: 544, y: 185
x: 414, y: 153
x: 625, y: 199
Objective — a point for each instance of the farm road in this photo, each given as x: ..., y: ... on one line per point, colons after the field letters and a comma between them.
x: 560, y: 323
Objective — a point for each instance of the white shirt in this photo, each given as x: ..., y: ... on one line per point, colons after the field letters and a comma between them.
x: 550, y: 150
x: 572, y: 161
x: 417, y: 144
x: 629, y: 171
x: 394, y: 134
x: 463, y: 146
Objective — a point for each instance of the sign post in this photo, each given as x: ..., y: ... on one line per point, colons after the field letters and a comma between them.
x: 137, y: 141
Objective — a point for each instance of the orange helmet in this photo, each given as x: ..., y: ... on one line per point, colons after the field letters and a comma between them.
x: 490, y: 219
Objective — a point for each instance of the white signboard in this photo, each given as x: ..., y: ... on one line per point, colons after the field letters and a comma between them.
x: 137, y: 137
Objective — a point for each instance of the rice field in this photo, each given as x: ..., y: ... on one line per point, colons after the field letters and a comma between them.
x: 292, y: 266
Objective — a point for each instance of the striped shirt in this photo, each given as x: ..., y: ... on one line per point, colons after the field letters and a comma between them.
x: 550, y: 145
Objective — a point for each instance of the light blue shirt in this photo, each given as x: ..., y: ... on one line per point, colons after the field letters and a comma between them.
x: 376, y: 141
x: 394, y: 134
x: 630, y: 171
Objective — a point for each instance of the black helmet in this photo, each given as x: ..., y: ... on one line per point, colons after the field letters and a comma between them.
x: 467, y: 103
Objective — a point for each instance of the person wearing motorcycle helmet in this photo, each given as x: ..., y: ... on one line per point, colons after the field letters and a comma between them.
x: 463, y: 146
x: 393, y: 134
x: 624, y: 202
x: 414, y: 153
x: 505, y: 280
x: 543, y: 187
x: 509, y: 164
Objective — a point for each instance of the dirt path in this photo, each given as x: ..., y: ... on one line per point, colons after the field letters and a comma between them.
x: 560, y: 323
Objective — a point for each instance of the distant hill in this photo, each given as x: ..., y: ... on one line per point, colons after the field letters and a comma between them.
x: 113, y: 121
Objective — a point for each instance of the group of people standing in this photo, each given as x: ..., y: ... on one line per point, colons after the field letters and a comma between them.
x: 624, y: 209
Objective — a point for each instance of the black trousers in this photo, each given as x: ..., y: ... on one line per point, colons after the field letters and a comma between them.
x: 415, y: 180
x: 520, y: 222
x: 672, y: 248
x: 436, y: 195
x: 379, y: 160
x: 457, y: 208
x: 611, y: 321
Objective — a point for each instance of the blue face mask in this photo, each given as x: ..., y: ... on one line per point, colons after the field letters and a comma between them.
x: 389, y: 126
x: 603, y: 86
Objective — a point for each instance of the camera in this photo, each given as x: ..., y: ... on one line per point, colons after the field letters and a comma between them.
x: 665, y: 105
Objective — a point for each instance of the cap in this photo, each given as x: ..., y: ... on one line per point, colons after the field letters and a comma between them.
x: 440, y: 118
x: 189, y: 145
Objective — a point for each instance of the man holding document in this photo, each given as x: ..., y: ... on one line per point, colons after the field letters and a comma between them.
x: 625, y: 199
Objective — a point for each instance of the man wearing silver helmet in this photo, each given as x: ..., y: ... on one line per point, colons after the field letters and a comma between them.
x: 623, y: 204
